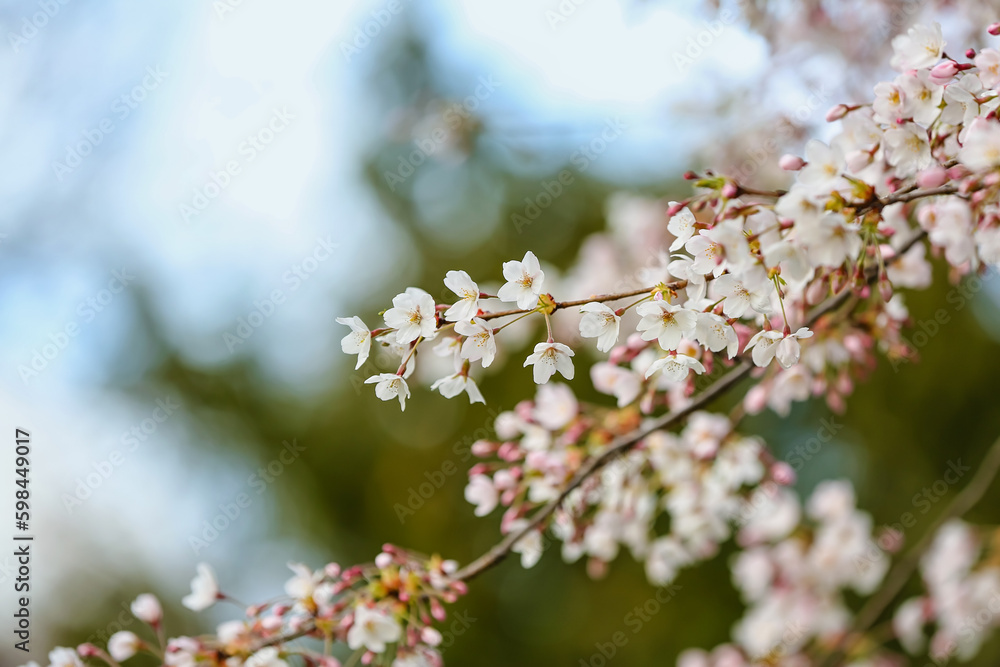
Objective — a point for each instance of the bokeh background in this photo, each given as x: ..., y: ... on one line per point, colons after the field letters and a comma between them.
x: 378, y: 145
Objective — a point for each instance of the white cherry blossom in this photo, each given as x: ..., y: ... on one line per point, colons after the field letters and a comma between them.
x: 389, y: 386
x: 549, y: 358
x: 373, y: 629
x: 467, y: 306
x: 412, y: 315
x: 204, y: 589
x: 479, y: 342
x: 453, y: 385
x: 359, y: 341
x: 524, y: 281
x: 675, y: 367
x: 481, y: 492
x: 665, y: 323
x: 682, y: 226
x: 920, y: 48
x: 600, y: 321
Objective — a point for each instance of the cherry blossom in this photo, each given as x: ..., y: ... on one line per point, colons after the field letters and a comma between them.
x: 389, y: 386
x: 675, y: 367
x: 453, y: 385
x: 682, y: 226
x: 412, y: 315
x: 482, y: 493
x: 123, y: 645
x: 467, y: 306
x: 665, y: 323
x: 359, y: 341
x: 524, y: 281
x: 549, y: 358
x: 373, y: 629
x: 920, y: 48
x: 600, y: 322
x: 204, y: 589
x: 147, y: 609
x: 479, y: 342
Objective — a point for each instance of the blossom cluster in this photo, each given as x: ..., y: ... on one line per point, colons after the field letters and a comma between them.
x: 384, y: 612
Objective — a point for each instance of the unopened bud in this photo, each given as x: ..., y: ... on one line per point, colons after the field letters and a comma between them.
x: 790, y: 162
x: 932, y: 177
x: 730, y: 191
x: 943, y: 72
x: 783, y: 474
x: 837, y: 112
x: 994, y: 29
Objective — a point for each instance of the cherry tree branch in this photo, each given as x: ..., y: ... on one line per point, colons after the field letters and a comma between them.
x: 963, y: 502
x: 559, y: 305
x: 622, y: 444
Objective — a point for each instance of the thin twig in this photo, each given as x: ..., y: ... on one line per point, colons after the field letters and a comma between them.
x: 676, y: 285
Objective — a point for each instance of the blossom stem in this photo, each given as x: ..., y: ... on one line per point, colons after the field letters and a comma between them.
x: 406, y: 359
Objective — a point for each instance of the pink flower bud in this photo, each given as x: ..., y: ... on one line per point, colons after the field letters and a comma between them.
x: 943, y: 72
x: 994, y: 29
x: 674, y: 208
x: 858, y: 160
x: 837, y: 112
x: 885, y: 289
x: 932, y: 177
x: 690, y: 176
x: 383, y: 560
x: 430, y: 636
x: 88, y: 651
x: 483, y: 448
x: 790, y: 162
x: 970, y: 54
x: 332, y: 570
x: 783, y: 474
x: 730, y: 191
x: 816, y: 291
x: 959, y: 171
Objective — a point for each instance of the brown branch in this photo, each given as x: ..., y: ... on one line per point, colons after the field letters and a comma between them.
x: 894, y: 583
x: 676, y: 285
